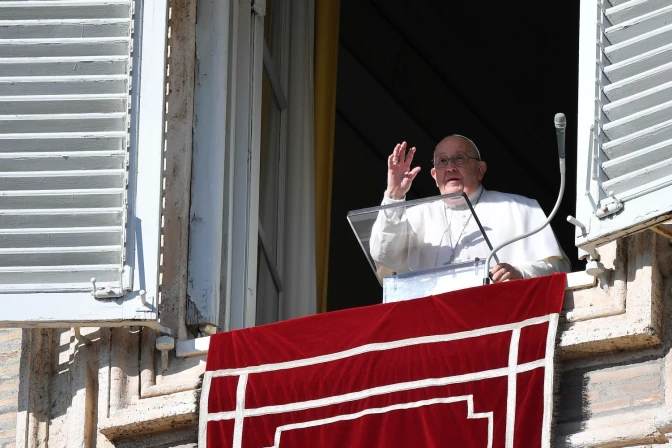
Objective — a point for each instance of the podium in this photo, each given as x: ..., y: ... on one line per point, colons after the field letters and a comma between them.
x: 386, y: 234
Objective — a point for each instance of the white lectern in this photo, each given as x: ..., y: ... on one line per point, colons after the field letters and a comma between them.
x: 401, y: 283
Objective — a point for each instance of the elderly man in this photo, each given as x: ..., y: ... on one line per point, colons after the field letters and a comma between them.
x: 440, y: 233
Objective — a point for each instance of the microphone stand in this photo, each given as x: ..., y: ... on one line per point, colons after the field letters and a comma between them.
x: 560, y: 124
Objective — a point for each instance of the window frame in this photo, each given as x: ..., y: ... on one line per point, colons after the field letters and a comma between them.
x: 242, y: 275
x: 277, y: 70
x: 244, y: 194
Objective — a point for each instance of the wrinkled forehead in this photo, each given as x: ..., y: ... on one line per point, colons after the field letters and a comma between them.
x: 455, y: 144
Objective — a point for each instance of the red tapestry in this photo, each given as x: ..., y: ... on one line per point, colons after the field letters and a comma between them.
x: 471, y: 368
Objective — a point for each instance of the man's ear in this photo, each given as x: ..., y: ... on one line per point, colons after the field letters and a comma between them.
x: 482, y: 168
x: 434, y: 174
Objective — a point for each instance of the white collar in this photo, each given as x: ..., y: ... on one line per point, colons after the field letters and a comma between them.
x: 473, y: 198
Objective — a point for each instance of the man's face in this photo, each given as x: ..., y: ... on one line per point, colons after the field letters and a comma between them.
x: 453, y: 179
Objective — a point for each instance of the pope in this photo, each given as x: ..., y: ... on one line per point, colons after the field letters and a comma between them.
x: 440, y: 233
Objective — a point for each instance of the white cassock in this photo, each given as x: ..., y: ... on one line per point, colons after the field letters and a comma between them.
x: 436, y: 234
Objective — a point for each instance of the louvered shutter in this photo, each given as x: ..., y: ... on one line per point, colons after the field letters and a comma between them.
x: 625, y: 117
x: 81, y: 121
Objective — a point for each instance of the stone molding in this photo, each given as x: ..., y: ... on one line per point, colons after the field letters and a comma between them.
x: 624, y: 312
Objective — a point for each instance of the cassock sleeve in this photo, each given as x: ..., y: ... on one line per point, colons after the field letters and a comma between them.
x: 389, y: 237
x: 543, y: 267
x: 540, y: 254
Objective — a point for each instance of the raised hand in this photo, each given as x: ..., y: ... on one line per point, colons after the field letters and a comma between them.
x: 399, y: 173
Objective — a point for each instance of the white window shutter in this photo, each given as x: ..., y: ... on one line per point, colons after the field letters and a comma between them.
x: 625, y: 118
x: 81, y: 138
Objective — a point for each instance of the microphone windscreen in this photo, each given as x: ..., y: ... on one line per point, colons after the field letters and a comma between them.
x: 560, y: 120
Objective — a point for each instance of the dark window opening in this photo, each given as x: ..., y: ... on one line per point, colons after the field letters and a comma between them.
x: 424, y: 69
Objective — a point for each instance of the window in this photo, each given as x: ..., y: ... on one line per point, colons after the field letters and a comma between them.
x: 239, y: 180
x: 624, y: 180
x: 259, y: 157
x: 81, y: 166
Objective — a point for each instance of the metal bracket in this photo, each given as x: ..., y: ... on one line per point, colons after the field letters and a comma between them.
x: 594, y: 267
x: 164, y: 344
x: 572, y: 220
x: 608, y: 206
x: 146, y: 307
x: 81, y: 339
x: 105, y: 292
x: 156, y: 326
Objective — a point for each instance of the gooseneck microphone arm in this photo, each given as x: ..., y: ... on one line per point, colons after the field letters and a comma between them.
x: 560, y: 125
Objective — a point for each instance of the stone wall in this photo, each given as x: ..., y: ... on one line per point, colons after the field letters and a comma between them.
x: 590, y: 392
x: 10, y: 357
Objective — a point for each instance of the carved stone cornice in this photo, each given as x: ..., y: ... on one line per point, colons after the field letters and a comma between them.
x: 625, y: 311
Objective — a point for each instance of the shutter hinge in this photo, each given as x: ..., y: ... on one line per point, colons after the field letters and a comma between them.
x: 127, y: 278
x: 259, y: 7
x: 608, y: 206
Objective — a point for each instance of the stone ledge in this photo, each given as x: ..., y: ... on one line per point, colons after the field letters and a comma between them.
x: 153, y: 415
x: 607, y: 335
x: 622, y: 430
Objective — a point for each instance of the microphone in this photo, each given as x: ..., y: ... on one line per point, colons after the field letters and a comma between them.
x: 560, y: 124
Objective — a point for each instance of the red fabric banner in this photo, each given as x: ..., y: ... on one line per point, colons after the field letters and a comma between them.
x: 471, y: 368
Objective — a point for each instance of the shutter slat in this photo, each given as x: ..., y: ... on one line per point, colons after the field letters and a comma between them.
x: 638, y: 160
x: 61, y: 180
x: 78, y: 160
x: 51, y: 106
x: 73, y: 86
x: 63, y: 142
x: 56, y: 256
x: 639, y: 64
x: 639, y: 102
x: 638, y: 178
x: 82, y: 236
x: 639, y: 25
x: 40, y: 276
x: 61, y: 218
x: 45, y: 29
x: 638, y: 45
x: 633, y: 9
x: 44, y: 48
x: 89, y: 198
x: 64, y: 116
x: 55, y: 122
x: 639, y: 140
x: 31, y: 10
x: 635, y: 84
x: 111, y: 66
x: 638, y: 122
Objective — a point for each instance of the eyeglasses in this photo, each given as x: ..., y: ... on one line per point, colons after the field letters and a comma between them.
x: 458, y: 160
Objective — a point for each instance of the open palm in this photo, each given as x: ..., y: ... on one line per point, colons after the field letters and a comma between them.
x: 399, y: 173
